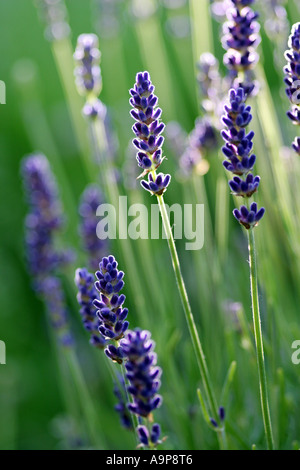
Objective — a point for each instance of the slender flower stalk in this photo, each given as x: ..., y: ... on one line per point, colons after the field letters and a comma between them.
x: 148, y: 141
x: 240, y: 162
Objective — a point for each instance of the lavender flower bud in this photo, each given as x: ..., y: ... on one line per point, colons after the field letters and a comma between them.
x: 240, y: 39
x: 142, y: 372
x: 292, y: 73
x: 89, y: 202
x: 85, y: 297
x: 149, y: 440
x: 87, y: 72
x: 157, y: 186
x: 249, y: 218
x: 148, y: 127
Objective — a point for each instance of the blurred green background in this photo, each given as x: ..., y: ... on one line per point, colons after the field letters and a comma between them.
x: 154, y: 36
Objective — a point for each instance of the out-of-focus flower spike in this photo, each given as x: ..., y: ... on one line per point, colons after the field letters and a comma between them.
x: 94, y: 246
x: 85, y: 297
x: 240, y: 39
x: 54, y: 14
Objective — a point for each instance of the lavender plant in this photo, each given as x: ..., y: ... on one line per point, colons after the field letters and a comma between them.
x: 148, y: 142
x: 240, y: 162
x: 292, y: 79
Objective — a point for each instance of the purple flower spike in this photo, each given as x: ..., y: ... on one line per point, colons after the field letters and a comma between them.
x: 249, y: 218
x: 238, y: 144
x: 148, y: 127
x: 158, y: 186
x: 44, y: 220
x: 240, y: 39
x: 109, y: 306
x: 85, y: 297
x: 240, y: 159
x: 142, y: 372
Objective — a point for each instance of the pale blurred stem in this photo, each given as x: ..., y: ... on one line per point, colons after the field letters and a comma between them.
x: 63, y: 56
x: 201, y: 27
x: 110, y: 188
x: 88, y: 409
x: 259, y: 342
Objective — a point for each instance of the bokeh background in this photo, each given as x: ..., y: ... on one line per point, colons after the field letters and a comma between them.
x: 156, y: 36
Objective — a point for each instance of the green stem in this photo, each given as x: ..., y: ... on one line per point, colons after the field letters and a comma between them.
x: 259, y: 342
x: 187, y: 309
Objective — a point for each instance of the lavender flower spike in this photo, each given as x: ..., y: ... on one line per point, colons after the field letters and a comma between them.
x: 240, y: 39
x: 142, y: 372
x: 44, y: 219
x: 148, y: 127
x: 292, y: 74
x: 240, y: 159
x: 110, y: 311
x: 86, y: 295
x: 88, y: 74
